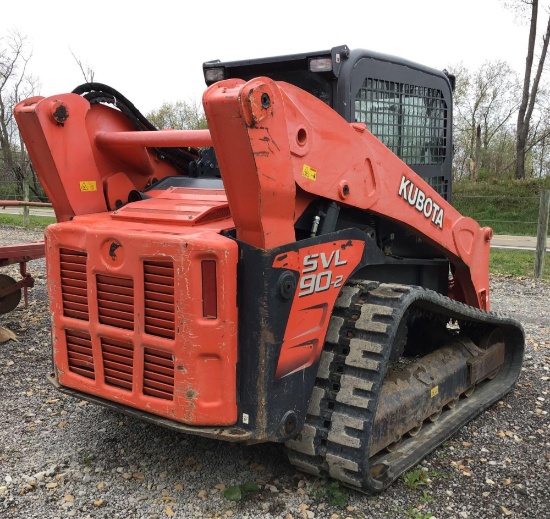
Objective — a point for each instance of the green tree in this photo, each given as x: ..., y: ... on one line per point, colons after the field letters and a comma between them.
x: 484, y: 103
x: 181, y: 115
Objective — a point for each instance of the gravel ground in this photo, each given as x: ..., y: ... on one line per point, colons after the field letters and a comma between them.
x: 61, y: 457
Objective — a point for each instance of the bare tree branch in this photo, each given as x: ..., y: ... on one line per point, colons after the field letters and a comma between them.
x: 87, y: 71
x: 530, y: 89
x: 15, y: 84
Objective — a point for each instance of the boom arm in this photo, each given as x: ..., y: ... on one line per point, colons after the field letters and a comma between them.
x: 274, y: 141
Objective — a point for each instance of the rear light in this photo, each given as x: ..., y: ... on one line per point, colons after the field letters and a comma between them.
x: 211, y: 75
x: 209, y: 290
x: 320, y: 64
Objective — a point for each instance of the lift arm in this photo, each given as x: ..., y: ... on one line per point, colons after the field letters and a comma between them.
x: 274, y: 140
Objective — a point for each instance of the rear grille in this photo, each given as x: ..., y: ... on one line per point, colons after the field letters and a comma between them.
x: 118, y: 363
x: 158, y: 374
x: 115, y: 301
x: 74, y: 284
x: 159, y: 298
x: 79, y: 353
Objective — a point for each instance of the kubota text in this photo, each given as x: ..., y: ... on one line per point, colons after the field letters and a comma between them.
x: 418, y: 199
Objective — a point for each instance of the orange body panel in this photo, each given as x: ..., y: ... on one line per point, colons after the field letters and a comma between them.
x: 181, y: 206
x: 324, y: 269
x: 128, y: 324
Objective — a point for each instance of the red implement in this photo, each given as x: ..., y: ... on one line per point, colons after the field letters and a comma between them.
x: 10, y: 290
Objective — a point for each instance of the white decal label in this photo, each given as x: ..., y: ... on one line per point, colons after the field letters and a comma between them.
x: 422, y: 203
x: 315, y: 281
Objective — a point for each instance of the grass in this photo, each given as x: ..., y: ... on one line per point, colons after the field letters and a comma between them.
x: 87, y: 457
x: 336, y: 495
x: 508, y: 206
x: 239, y: 492
x: 518, y: 263
x: 418, y: 477
x: 415, y: 478
x: 414, y: 513
x: 35, y: 222
x: 332, y: 492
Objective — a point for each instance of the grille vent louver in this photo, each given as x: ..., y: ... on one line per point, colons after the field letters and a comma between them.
x: 74, y: 284
x: 219, y: 213
x: 158, y: 374
x: 159, y: 298
x: 79, y: 353
x: 118, y: 363
x: 115, y: 301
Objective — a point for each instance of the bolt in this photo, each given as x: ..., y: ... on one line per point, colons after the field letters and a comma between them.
x: 287, y: 285
x: 59, y: 113
x: 266, y: 102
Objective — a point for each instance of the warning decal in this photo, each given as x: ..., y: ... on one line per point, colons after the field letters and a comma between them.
x: 88, y: 185
x: 309, y: 172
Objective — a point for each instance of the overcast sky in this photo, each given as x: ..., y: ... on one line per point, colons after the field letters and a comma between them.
x: 152, y: 51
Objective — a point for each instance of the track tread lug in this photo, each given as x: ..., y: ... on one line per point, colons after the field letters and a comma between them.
x: 340, y: 468
x: 317, y: 395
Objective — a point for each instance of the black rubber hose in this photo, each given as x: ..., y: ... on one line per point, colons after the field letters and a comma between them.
x: 101, y: 93
x: 93, y: 89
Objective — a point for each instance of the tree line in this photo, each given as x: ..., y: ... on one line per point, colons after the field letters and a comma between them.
x: 16, y: 84
x: 501, y: 122
x: 500, y: 118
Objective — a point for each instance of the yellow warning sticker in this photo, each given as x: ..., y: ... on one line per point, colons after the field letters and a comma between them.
x: 88, y: 185
x: 309, y: 172
x: 434, y: 391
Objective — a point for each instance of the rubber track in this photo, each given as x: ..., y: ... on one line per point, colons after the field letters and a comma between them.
x: 364, y: 329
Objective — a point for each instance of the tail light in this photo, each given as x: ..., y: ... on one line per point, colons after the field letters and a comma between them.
x: 209, y: 290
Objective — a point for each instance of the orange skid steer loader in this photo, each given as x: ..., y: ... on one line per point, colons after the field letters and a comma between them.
x: 296, y: 273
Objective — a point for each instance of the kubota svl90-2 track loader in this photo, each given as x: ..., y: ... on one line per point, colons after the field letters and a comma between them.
x: 295, y: 273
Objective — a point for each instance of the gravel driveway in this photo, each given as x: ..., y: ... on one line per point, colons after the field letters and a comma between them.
x: 61, y: 457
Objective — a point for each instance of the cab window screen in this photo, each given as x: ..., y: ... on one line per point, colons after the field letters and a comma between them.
x: 409, y: 119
